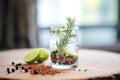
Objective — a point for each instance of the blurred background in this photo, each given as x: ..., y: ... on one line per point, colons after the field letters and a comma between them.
x: 26, y: 23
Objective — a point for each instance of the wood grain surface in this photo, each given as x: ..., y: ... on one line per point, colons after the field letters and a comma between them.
x: 98, y: 64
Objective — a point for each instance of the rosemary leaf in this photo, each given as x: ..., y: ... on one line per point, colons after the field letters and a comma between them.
x: 64, y: 40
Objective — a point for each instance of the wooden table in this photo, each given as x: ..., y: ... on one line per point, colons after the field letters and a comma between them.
x: 99, y: 64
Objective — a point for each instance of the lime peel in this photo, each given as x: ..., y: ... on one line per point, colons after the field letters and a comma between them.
x: 71, y: 54
x: 43, y: 55
x: 32, y: 56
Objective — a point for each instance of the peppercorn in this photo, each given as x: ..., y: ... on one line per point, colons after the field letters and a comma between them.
x: 26, y: 70
x: 13, y: 63
x: 8, y: 72
x: 19, y: 64
x: 36, y: 71
x: 22, y: 67
x: 13, y: 70
x: 8, y: 69
x: 16, y: 67
x: 54, y: 52
x: 30, y: 67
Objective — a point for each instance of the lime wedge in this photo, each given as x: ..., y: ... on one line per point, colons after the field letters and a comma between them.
x: 43, y: 55
x: 32, y: 56
x: 71, y: 54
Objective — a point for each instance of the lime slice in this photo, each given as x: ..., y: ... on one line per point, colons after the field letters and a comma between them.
x: 32, y: 56
x: 43, y: 55
x: 71, y: 54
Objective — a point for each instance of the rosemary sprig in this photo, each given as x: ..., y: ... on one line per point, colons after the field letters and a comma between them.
x: 64, y: 40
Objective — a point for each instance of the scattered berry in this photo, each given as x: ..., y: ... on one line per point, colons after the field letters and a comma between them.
x: 8, y: 72
x: 16, y: 67
x: 8, y: 69
x: 30, y: 67
x: 26, y: 70
x: 13, y: 63
x: 19, y: 64
x: 13, y: 70
x: 22, y: 67
x: 36, y: 71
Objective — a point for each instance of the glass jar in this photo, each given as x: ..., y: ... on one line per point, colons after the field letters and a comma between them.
x: 64, y: 47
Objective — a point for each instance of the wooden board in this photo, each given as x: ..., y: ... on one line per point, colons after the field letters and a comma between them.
x: 98, y: 64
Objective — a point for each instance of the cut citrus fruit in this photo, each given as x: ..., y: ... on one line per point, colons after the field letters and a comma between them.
x: 43, y: 55
x: 32, y: 56
x: 71, y: 54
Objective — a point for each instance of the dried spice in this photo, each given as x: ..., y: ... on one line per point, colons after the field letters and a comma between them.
x: 62, y: 58
x: 43, y: 70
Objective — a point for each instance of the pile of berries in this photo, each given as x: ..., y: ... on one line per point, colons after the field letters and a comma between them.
x: 16, y: 67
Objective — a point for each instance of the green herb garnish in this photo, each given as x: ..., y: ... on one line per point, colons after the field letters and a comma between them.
x: 64, y: 34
